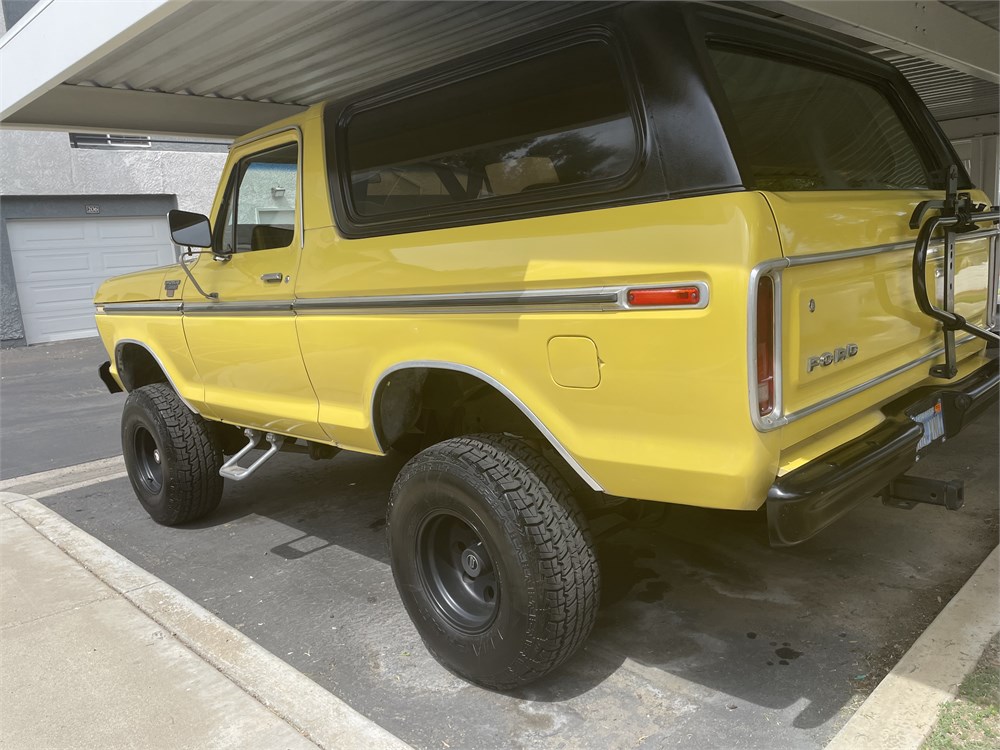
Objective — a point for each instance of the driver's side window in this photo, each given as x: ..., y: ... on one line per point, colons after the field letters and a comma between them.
x: 259, y: 207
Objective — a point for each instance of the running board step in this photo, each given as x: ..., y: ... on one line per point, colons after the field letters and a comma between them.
x: 232, y: 469
x: 905, y: 492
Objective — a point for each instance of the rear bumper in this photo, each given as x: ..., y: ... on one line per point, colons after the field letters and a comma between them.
x: 802, y: 502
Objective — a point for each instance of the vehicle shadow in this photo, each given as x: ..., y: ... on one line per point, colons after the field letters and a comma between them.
x: 697, y: 605
x: 705, y: 632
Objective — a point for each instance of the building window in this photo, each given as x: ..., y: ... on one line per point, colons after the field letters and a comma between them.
x: 107, y: 140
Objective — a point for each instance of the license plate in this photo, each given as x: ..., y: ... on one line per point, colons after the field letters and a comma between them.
x: 933, y: 422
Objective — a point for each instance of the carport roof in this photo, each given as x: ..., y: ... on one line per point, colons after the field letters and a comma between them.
x: 222, y: 68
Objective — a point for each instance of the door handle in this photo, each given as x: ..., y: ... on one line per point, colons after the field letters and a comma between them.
x: 272, y: 278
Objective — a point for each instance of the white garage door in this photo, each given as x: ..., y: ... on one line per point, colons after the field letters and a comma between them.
x: 59, y: 263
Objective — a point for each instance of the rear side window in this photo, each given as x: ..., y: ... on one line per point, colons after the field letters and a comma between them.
x: 555, y: 123
x: 802, y: 128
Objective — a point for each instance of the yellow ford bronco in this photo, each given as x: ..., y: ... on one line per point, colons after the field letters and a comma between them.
x: 653, y: 254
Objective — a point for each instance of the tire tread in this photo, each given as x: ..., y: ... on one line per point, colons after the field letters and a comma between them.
x: 194, y: 486
x: 542, y: 507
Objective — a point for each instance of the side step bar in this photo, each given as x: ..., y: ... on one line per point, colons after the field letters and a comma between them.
x: 232, y: 469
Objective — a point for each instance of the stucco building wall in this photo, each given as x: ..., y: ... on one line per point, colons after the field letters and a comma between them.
x: 37, y: 163
x: 43, y: 163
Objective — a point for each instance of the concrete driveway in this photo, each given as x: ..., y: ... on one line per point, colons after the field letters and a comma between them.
x: 706, y: 637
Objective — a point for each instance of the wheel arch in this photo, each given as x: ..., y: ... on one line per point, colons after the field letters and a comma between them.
x: 446, y: 366
x: 138, y: 365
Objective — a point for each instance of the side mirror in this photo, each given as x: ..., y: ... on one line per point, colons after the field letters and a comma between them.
x: 190, y: 229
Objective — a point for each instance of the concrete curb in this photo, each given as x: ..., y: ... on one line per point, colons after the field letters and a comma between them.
x: 903, y: 709
x: 313, y: 711
x: 52, y: 477
x: 66, y: 479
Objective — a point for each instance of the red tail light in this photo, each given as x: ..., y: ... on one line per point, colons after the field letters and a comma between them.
x: 765, y: 345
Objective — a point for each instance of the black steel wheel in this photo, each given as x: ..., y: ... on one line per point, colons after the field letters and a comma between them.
x: 148, y: 467
x: 457, y: 572
x: 492, y: 559
x: 172, y: 456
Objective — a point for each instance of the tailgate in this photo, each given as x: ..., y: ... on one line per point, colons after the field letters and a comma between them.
x: 843, y: 151
x: 849, y: 319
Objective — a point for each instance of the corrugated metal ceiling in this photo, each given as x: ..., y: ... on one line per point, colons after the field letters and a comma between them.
x: 306, y: 51
x: 984, y: 11
x: 322, y: 49
x: 949, y: 94
x: 318, y: 50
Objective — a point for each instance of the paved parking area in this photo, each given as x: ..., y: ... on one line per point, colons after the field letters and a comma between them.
x: 706, y: 638
x: 54, y: 410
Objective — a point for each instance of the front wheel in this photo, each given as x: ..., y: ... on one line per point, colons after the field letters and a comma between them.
x: 172, y: 456
x: 492, y: 559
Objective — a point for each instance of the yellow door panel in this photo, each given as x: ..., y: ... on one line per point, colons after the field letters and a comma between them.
x: 243, y: 340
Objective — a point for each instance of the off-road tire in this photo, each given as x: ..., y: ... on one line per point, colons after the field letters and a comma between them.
x: 537, y: 543
x: 188, y: 456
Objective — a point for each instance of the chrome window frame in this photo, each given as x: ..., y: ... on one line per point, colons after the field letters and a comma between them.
x: 299, y: 202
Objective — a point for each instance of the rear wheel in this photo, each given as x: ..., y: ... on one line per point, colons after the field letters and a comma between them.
x: 492, y: 559
x: 172, y: 456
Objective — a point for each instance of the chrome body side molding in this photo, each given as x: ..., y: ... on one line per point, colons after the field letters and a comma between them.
x: 225, y: 308
x: 596, y: 298
x: 443, y: 365
x: 140, y: 308
x: 586, y: 299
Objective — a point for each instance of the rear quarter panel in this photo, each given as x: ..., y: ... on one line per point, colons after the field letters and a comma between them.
x: 669, y: 419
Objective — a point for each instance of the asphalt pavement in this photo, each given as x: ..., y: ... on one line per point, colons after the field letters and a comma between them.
x: 54, y: 410
x: 706, y: 637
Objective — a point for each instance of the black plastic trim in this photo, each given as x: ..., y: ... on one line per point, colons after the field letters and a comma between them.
x: 806, y: 500
x: 688, y: 137
x: 105, y: 372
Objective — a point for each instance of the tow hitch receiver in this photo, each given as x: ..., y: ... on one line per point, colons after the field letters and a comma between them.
x: 905, y: 492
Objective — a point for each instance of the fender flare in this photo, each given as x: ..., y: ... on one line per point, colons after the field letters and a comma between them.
x: 489, y: 380
x: 120, y: 344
